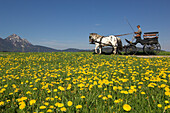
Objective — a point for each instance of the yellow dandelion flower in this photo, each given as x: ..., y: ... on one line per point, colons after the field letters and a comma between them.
x: 69, y: 103
x: 99, y: 86
x: 8, y: 100
x: 168, y: 106
x: 32, y: 102
x: 42, y: 107
x: 46, y: 103
x: 120, y: 88
x: 167, y: 93
x: 10, y: 93
x: 6, y: 85
x: 166, y: 101
x: 162, y: 85
x: 22, y: 105
x: 31, y: 86
x: 51, y: 107
x: 139, y: 87
x: 82, y: 96
x: 63, y: 109
x: 69, y: 87
x: 159, y: 105
x: 140, y: 83
x: 100, y: 96
x: 60, y: 105
x: 116, y: 101
x: 2, y: 90
x: 49, y: 111
x: 126, y: 107
x: 24, y: 98
x: 109, y: 96
x: 61, y: 88
x: 55, y: 90
x: 14, y: 86
x: 115, y: 88
x: 142, y: 93
x: 59, y: 98
x: 26, y: 81
x: 52, y: 99
x: 48, y: 98
x: 104, y: 98
x: 130, y: 91
x: 1, y: 103
x: 16, y: 90
x: 78, y: 106
x: 28, y: 92
x: 34, y: 89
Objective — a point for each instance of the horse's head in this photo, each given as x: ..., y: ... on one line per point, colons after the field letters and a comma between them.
x: 93, y: 37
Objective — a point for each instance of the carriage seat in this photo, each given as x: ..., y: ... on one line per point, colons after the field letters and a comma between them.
x: 151, y: 35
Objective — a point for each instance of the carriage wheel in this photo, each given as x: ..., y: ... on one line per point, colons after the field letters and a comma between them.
x: 152, y: 49
x: 158, y: 48
x: 131, y: 50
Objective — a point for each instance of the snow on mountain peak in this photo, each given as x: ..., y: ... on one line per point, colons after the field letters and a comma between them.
x: 16, y: 40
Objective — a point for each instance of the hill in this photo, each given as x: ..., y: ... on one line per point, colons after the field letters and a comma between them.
x: 14, y: 43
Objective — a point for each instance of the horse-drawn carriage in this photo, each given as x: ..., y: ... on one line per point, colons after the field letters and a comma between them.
x: 150, y: 43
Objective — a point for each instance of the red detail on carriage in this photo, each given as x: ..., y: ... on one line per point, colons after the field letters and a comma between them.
x: 150, y: 35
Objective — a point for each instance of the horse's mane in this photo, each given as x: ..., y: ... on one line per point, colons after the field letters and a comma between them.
x: 97, y: 35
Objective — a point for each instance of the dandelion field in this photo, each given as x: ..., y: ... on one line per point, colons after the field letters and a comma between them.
x: 83, y: 82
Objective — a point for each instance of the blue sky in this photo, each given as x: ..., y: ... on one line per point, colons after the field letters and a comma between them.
x: 62, y: 24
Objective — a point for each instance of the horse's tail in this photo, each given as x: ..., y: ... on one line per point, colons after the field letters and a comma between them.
x: 120, y: 47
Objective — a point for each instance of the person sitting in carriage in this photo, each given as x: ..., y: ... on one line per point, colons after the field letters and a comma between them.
x: 137, y: 36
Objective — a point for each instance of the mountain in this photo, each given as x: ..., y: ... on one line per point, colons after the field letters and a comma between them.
x: 18, y: 41
x: 76, y: 50
x: 14, y: 43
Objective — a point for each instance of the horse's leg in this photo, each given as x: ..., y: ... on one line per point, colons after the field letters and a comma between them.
x: 97, y: 45
x: 100, y: 49
x: 114, y: 44
x: 115, y: 49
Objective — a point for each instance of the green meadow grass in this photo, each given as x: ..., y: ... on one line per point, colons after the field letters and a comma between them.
x: 83, y: 82
x: 164, y: 53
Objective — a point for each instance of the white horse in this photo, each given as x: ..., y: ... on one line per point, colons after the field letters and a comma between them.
x: 101, y: 41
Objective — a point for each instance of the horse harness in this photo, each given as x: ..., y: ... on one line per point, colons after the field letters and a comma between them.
x: 100, y: 42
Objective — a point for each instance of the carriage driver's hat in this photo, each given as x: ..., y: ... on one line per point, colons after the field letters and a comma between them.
x: 138, y: 25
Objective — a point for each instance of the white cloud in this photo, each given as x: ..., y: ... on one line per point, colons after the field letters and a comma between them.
x: 97, y: 24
